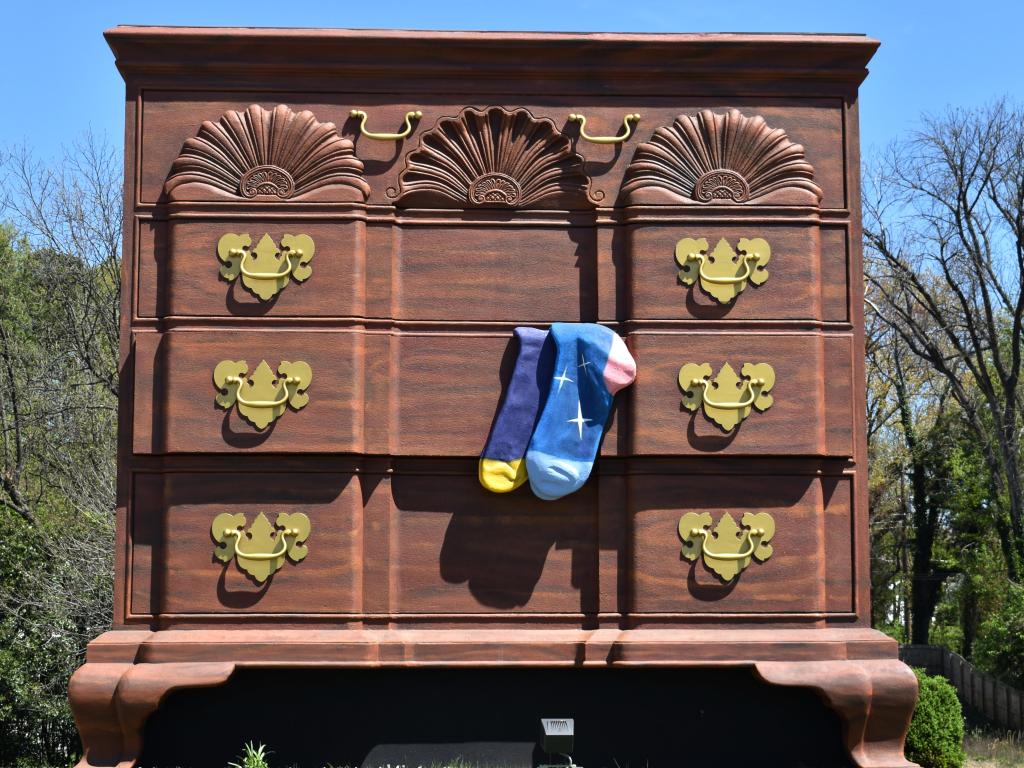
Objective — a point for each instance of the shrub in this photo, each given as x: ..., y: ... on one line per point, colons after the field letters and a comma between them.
x: 999, y: 647
x: 936, y: 737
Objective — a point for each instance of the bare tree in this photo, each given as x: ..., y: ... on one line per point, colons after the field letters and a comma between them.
x: 59, y: 306
x: 944, y: 235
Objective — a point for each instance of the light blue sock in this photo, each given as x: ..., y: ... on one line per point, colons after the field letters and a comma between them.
x: 591, y: 365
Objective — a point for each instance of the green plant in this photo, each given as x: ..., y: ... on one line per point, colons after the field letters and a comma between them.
x: 252, y: 757
x: 999, y: 649
x: 936, y: 737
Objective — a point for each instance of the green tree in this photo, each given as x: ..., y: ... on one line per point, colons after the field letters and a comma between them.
x: 59, y: 303
x: 944, y: 236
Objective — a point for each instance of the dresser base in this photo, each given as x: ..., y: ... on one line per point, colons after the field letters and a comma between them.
x: 855, y: 671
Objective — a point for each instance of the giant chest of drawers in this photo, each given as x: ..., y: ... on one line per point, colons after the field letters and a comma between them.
x: 420, y: 254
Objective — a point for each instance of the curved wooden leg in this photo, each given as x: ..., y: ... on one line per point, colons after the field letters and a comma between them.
x: 112, y: 701
x: 874, y: 698
x: 92, y: 692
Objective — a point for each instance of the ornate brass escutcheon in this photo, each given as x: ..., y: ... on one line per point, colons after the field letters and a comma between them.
x: 728, y: 549
x: 265, y: 269
x: 262, y: 396
x: 724, y: 273
x: 728, y: 399
x: 260, y: 551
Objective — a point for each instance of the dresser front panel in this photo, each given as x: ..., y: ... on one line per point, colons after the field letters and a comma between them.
x: 430, y: 542
x: 436, y: 393
x: 809, y: 572
x: 183, y: 279
x: 406, y: 322
x: 170, y: 117
x: 793, y: 291
x: 173, y: 568
x: 175, y: 410
x: 812, y: 400
x: 496, y: 273
x: 576, y: 269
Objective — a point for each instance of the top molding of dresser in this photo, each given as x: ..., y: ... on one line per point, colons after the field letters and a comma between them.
x: 637, y: 62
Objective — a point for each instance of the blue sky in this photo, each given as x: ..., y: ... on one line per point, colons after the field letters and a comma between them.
x: 59, y: 79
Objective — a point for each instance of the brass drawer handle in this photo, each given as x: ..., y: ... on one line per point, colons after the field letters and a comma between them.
x: 290, y: 259
x: 285, y: 538
x: 262, y: 275
x: 754, y: 388
x: 262, y: 397
x: 755, y: 382
x: 717, y: 270
x: 737, y: 545
x: 262, y: 403
x: 282, y: 549
x: 409, y: 117
x: 633, y: 117
x: 749, y: 536
x: 747, y: 259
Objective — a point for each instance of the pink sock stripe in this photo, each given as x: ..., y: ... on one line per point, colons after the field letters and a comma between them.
x: 620, y: 370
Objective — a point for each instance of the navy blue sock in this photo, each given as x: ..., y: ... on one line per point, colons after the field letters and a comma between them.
x: 502, y: 463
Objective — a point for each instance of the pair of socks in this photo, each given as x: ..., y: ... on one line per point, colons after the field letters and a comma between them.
x: 549, y: 426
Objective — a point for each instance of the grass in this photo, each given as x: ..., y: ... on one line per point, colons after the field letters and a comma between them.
x: 993, y: 750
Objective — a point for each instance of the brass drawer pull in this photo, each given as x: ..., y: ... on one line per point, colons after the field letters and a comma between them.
x: 290, y: 259
x: 633, y: 117
x: 750, y: 537
x: 262, y: 275
x: 409, y: 117
x: 753, y: 389
x: 756, y: 381
x: 736, y: 545
x: 282, y: 548
x: 285, y: 538
x: 266, y: 394
x: 262, y: 403
x: 717, y: 270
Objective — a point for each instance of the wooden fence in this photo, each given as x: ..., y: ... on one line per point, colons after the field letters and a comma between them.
x: 995, y: 700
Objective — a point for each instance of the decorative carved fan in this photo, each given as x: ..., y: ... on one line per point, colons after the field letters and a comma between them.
x: 493, y: 158
x: 266, y: 154
x: 711, y: 158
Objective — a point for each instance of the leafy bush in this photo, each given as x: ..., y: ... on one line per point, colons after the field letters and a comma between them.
x: 999, y: 648
x: 936, y: 737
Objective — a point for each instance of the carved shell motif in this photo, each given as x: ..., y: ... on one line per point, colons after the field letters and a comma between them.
x: 494, y: 158
x: 266, y: 154
x: 711, y: 158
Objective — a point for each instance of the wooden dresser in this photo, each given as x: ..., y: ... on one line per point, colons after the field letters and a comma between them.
x: 380, y: 277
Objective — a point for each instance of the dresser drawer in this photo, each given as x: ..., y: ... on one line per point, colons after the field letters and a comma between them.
x: 173, y: 568
x: 812, y: 410
x: 816, y: 124
x: 456, y: 548
x: 185, y: 278
x: 523, y: 274
x: 809, y: 571
x: 436, y: 393
x: 415, y: 543
x: 176, y: 410
x: 794, y: 288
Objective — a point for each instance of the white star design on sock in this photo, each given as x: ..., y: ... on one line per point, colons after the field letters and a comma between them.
x: 579, y: 421
x: 584, y: 364
x: 562, y: 379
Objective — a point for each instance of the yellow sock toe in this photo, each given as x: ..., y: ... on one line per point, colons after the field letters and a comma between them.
x: 502, y: 476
